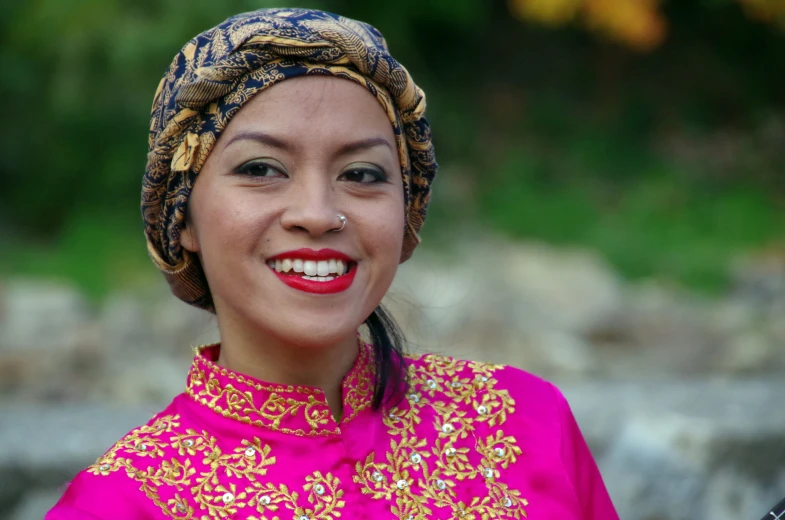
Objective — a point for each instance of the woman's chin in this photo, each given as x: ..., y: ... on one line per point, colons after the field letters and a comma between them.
x: 310, y: 332
x: 319, y: 338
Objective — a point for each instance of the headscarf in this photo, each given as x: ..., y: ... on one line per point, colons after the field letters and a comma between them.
x: 220, y: 70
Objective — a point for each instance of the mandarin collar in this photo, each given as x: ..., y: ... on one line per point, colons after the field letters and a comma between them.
x: 291, y: 409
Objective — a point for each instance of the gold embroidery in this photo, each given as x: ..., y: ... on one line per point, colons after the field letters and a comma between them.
x: 240, y: 405
x: 358, y: 384
x: 189, y: 477
x: 279, y: 407
x: 207, y: 486
x: 421, y: 477
x: 323, y: 493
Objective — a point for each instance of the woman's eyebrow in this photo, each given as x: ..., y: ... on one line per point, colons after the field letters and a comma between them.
x: 345, y: 149
x: 362, y: 144
x: 259, y: 137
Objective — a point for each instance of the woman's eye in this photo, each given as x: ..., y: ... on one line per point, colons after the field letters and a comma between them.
x: 259, y: 169
x: 364, y: 175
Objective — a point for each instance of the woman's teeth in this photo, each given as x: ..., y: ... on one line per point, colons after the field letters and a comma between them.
x: 320, y: 271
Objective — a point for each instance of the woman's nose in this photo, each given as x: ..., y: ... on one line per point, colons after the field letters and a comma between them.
x: 311, y: 208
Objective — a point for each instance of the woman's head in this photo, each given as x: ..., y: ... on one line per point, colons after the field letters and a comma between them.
x: 221, y: 71
x: 286, y: 165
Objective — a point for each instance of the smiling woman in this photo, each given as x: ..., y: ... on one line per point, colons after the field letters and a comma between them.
x: 289, y: 173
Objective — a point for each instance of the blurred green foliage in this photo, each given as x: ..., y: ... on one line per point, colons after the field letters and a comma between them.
x: 667, y: 162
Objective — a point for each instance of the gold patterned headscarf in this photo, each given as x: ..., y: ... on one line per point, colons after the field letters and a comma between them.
x: 217, y: 72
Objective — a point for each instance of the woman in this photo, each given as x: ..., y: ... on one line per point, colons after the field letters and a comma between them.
x: 288, y: 175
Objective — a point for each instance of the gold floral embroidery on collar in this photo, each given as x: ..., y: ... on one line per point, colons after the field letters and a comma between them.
x: 297, y: 410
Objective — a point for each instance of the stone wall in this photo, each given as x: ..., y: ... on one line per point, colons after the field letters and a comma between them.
x: 678, y: 395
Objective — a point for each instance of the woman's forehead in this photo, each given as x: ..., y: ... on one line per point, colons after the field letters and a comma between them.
x: 312, y: 105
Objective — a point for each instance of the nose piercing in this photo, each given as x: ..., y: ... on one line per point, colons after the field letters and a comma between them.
x: 343, y: 223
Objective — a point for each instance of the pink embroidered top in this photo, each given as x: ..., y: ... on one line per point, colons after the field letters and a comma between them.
x: 469, y: 441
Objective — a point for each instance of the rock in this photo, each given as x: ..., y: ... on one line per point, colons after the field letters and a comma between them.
x: 553, y: 354
x: 681, y: 468
x: 775, y: 330
x: 534, y: 285
x: 673, y: 451
x: 175, y: 325
x: 749, y: 352
x: 729, y: 496
x: 55, y: 377
x: 53, y: 347
x: 148, y: 338
x: 124, y: 322
x: 655, y: 468
x: 143, y: 378
x: 733, y: 316
x: 62, y: 438
x: 36, y: 504
x: 152, y: 319
x: 660, y: 332
x: 46, y: 330
x: 759, y: 276
x: 435, y: 300
x: 751, y: 338
x: 657, y: 315
x: 43, y: 447
x: 41, y: 316
x: 570, y: 290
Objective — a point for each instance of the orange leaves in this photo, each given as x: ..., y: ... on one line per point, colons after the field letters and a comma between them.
x: 638, y: 24
x: 547, y: 12
x: 635, y: 23
x: 771, y: 11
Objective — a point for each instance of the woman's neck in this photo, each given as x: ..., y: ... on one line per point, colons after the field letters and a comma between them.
x: 275, y: 361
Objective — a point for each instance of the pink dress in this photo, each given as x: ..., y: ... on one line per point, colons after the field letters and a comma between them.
x: 469, y: 441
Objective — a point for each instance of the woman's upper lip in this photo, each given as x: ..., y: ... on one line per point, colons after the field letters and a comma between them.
x: 312, y: 254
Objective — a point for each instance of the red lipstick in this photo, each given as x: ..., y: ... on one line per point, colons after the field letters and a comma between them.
x: 296, y: 280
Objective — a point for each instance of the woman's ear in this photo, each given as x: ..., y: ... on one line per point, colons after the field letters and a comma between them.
x: 188, y: 238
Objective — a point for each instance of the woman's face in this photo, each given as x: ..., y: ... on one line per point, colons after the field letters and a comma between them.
x: 264, y: 208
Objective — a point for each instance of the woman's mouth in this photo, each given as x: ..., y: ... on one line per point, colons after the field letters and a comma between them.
x: 323, y: 276
x: 321, y: 270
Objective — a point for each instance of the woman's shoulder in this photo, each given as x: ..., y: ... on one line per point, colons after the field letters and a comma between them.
x: 118, y: 476
x: 483, y: 385
x: 514, y: 414
x: 464, y: 371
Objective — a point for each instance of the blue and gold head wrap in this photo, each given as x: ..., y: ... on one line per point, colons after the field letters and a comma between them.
x: 220, y: 70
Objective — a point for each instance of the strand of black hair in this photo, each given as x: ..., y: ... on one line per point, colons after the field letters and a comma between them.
x: 392, y: 379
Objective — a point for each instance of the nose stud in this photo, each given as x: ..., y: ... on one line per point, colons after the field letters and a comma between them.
x: 342, y: 218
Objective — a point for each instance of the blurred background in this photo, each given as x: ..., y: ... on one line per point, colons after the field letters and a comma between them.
x: 609, y: 214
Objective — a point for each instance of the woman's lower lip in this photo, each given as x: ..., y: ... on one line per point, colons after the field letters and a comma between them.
x: 338, y: 284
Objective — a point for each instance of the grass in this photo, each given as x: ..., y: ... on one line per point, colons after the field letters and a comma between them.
x: 652, y: 222
x: 97, y: 252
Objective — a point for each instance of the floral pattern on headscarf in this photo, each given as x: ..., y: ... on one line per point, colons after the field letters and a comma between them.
x: 220, y: 70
